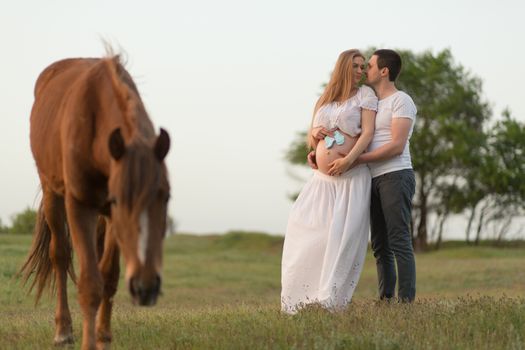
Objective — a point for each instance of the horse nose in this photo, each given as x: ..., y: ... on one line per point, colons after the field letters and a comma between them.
x: 145, y: 294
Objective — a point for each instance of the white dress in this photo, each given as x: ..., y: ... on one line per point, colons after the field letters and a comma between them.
x: 327, y: 232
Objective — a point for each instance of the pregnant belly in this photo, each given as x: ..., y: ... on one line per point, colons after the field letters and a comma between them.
x: 324, y: 156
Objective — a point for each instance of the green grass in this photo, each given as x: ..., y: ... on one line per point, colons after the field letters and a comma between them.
x: 222, y: 292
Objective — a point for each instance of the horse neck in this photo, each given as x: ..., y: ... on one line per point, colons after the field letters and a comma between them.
x: 131, y: 115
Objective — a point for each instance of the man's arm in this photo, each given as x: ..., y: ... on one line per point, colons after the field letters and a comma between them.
x: 400, y: 130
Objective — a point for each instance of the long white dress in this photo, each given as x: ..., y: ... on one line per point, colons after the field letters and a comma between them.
x: 327, y: 232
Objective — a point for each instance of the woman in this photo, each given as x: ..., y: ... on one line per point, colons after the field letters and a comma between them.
x: 327, y: 233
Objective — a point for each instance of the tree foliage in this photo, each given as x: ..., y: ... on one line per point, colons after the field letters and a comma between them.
x: 298, y: 150
x: 24, y: 222
x: 448, y: 132
x: 500, y: 183
x: 3, y: 229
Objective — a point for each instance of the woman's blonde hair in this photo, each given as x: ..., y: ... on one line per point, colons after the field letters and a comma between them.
x: 340, y: 85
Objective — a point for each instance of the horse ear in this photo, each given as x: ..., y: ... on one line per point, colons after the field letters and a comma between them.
x: 117, y: 148
x: 162, y: 145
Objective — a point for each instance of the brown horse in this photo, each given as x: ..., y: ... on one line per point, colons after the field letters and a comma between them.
x: 98, y: 158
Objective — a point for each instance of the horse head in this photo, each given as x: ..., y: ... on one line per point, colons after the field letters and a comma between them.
x: 139, y: 192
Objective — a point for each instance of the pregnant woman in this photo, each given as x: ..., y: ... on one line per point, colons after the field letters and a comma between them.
x: 327, y: 233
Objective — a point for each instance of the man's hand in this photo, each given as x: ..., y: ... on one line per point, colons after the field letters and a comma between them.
x: 357, y: 162
x: 311, y: 160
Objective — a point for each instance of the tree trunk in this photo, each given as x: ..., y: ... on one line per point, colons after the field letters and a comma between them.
x: 470, y: 220
x: 412, y: 229
x: 421, y: 238
x: 440, y: 230
x: 503, y: 229
x: 480, y: 223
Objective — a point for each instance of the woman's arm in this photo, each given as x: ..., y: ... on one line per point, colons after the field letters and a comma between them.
x: 341, y: 165
x: 313, y: 140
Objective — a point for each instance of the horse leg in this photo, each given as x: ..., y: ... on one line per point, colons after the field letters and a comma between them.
x: 110, y: 269
x: 60, y: 256
x: 82, y: 221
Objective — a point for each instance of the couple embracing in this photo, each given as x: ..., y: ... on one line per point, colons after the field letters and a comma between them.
x: 363, y: 181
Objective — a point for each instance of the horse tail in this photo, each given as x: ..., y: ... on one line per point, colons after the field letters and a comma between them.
x: 38, y: 261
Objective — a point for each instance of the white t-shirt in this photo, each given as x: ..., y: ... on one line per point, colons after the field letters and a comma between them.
x: 346, y: 116
x: 397, y: 105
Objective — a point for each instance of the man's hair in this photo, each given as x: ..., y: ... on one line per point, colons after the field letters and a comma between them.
x: 391, y: 60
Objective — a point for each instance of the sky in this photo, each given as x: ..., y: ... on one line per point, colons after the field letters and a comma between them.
x: 233, y: 82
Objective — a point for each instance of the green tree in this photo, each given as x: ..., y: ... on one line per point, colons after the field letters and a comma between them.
x: 171, y: 226
x: 24, y: 222
x: 3, y: 229
x: 298, y: 150
x: 448, y: 133
x: 501, y: 181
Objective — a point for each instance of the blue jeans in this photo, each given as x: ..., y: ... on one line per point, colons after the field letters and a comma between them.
x: 390, y: 216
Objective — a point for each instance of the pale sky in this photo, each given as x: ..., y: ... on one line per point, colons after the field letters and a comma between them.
x: 234, y: 81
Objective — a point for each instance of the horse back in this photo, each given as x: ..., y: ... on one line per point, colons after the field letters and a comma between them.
x: 60, y: 122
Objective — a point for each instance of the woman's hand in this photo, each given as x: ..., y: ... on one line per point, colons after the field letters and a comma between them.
x: 339, y: 166
x: 319, y: 133
x: 311, y: 160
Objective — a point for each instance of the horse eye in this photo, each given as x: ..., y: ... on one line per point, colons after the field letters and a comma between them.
x: 112, y: 201
x: 165, y: 196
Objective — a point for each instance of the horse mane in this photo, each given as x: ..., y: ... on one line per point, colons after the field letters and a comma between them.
x: 123, y: 88
x: 140, y: 160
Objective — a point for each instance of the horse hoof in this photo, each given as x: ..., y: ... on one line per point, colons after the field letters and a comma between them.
x: 61, y: 340
x: 103, y: 346
x: 104, y: 338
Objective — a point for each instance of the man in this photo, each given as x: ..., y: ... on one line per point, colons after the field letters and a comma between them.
x: 393, y: 180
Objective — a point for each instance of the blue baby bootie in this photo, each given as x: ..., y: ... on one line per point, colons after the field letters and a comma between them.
x: 338, y: 139
x: 329, y: 141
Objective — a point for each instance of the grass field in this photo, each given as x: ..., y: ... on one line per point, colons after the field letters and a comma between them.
x: 222, y: 292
